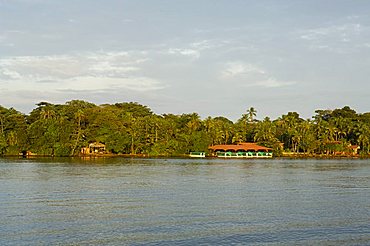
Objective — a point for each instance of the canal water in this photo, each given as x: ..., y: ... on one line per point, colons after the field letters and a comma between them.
x: 118, y: 201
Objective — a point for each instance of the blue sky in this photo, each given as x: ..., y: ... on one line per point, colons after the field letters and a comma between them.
x: 214, y: 57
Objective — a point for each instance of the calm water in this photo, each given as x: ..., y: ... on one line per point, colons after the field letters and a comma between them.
x: 184, y: 202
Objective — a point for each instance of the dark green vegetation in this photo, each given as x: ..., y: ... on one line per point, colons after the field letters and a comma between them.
x: 131, y: 128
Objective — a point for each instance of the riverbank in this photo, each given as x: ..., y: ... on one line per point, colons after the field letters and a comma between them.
x: 284, y: 155
x: 323, y: 156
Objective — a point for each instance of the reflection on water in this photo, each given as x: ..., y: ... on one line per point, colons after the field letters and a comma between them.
x: 184, y: 201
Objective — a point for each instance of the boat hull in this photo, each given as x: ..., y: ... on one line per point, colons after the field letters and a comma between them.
x: 197, y: 154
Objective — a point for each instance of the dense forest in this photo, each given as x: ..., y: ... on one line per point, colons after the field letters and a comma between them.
x: 131, y: 128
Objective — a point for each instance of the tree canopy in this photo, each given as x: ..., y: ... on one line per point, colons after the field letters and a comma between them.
x: 132, y: 128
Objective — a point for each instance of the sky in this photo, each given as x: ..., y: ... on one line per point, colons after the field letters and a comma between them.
x: 213, y: 57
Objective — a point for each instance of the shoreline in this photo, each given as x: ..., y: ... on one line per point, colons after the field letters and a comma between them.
x: 146, y: 156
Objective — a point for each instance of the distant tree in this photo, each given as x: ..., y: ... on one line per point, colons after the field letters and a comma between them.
x: 322, y: 115
x: 13, y: 131
x: 363, y: 137
x: 251, y: 113
x: 345, y: 112
x: 308, y: 142
x: 265, y: 131
x: 136, y: 109
x: 131, y: 128
x: 288, y: 130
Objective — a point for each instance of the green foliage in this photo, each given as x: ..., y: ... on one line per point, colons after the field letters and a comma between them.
x: 131, y: 128
x: 136, y: 109
x: 3, y: 145
x: 13, y: 131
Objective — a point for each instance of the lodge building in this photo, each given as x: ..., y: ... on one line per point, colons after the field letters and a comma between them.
x: 240, y: 150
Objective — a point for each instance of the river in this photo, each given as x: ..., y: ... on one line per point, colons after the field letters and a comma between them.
x: 122, y: 201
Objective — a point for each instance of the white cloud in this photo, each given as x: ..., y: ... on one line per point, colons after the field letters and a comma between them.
x: 194, y: 49
x: 83, y: 71
x: 342, y: 38
x: 105, y: 84
x: 106, y: 67
x: 10, y: 74
x: 335, y: 31
x: 272, y: 83
x: 185, y: 52
x: 207, y: 44
x: 241, y: 69
x: 203, y: 44
x: 250, y: 75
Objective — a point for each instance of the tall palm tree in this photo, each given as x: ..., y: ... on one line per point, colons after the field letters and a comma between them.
x: 194, y: 122
x: 265, y: 131
x: 251, y: 112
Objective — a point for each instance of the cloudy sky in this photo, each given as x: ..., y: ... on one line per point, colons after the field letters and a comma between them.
x: 214, y: 57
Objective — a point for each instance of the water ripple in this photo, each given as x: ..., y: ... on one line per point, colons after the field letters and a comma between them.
x: 184, y: 202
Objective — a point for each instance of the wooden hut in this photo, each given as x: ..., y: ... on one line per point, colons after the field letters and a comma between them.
x: 94, y: 148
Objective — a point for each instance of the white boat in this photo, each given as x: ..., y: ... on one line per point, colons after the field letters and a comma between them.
x: 198, y: 154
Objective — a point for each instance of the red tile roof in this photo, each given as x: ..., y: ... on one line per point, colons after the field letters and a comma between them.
x: 239, y: 147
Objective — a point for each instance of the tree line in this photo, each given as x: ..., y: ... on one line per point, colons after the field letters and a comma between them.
x: 132, y: 128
